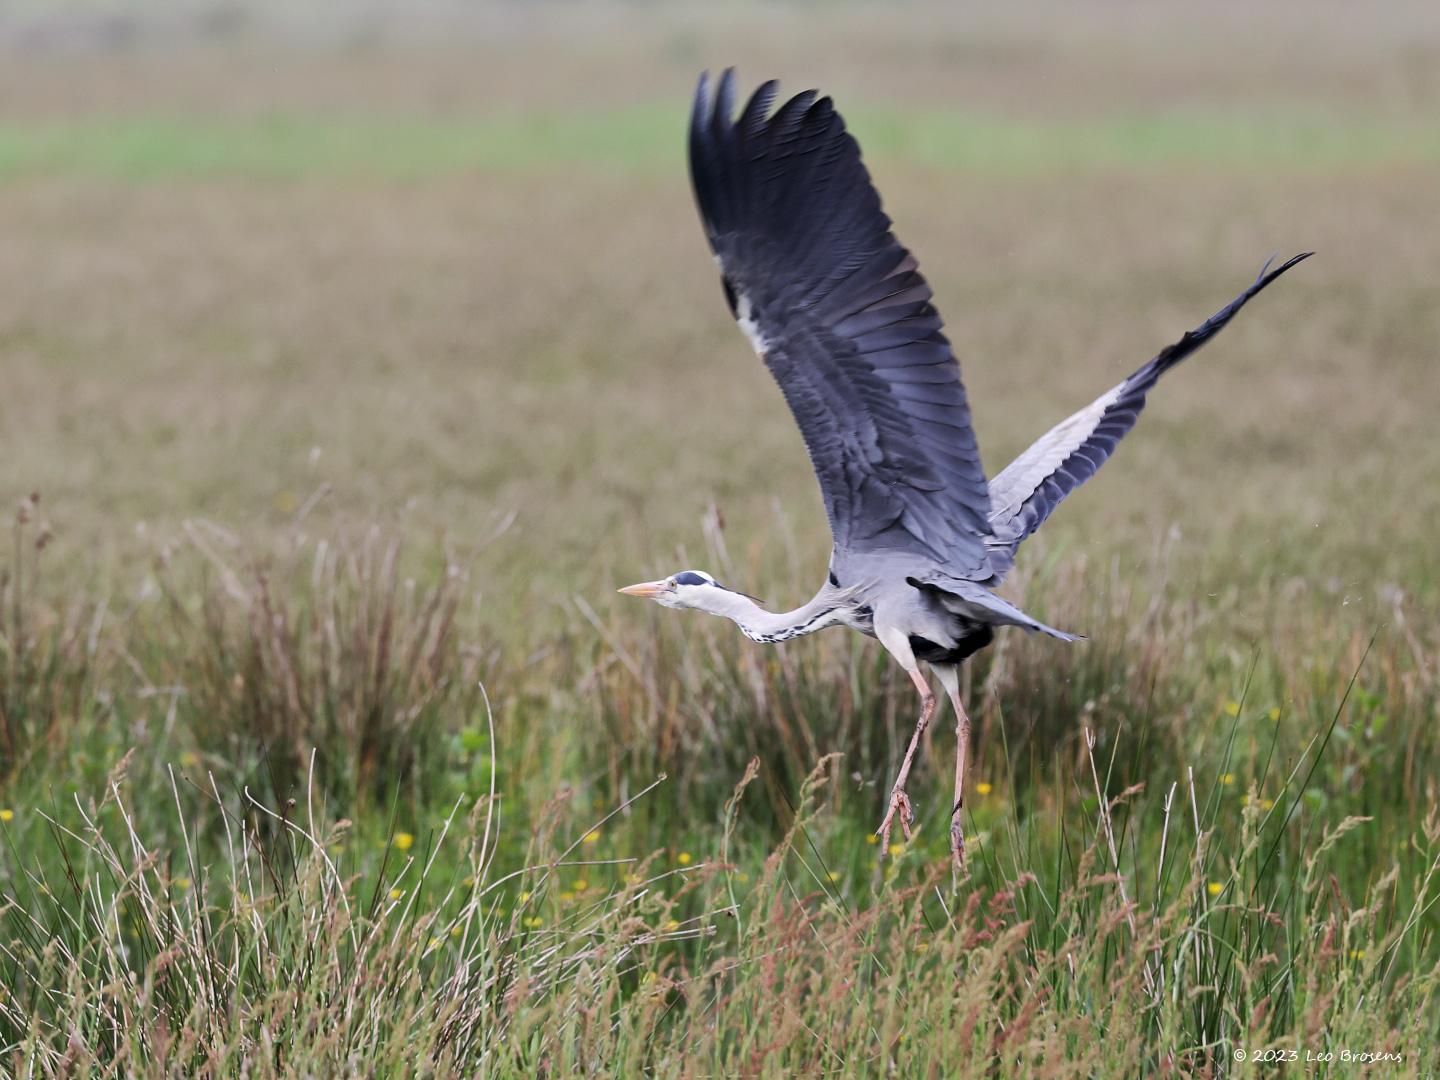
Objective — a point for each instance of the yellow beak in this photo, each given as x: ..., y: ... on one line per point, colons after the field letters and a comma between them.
x: 648, y: 589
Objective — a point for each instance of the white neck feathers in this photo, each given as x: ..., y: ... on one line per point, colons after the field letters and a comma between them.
x: 768, y: 627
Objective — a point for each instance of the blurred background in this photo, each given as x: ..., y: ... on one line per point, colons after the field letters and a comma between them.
x: 437, y: 263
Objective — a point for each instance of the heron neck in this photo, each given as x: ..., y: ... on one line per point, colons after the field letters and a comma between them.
x: 769, y: 627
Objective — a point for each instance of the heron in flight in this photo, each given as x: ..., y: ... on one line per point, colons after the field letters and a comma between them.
x: 837, y: 310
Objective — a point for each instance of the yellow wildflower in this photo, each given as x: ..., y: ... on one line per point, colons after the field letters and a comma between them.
x: 581, y: 885
x: 456, y: 930
x: 1232, y: 708
x: 404, y: 841
x: 1267, y: 804
x: 834, y: 875
x: 1214, y: 888
x: 872, y: 839
x: 983, y: 788
x: 524, y: 896
x: 189, y: 759
x: 1228, y: 779
x: 7, y: 814
x: 672, y: 925
x: 684, y: 858
x: 897, y: 848
x: 1275, y: 712
x: 395, y: 894
x: 743, y: 878
x: 534, y: 922
x: 433, y: 943
x: 1357, y: 954
x: 181, y: 882
x: 591, y: 837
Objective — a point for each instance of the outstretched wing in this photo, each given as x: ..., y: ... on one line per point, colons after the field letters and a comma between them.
x: 1025, y: 493
x: 842, y: 318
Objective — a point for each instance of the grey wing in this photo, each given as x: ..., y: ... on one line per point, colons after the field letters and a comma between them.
x: 1025, y: 493
x: 839, y: 313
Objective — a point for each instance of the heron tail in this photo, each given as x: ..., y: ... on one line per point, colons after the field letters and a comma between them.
x: 979, y: 604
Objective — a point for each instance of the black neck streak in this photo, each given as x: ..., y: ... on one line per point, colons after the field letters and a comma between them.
x: 814, y: 622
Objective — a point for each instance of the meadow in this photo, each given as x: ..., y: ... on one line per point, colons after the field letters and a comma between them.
x: 350, y: 366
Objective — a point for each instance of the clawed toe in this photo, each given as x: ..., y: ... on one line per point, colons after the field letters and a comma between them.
x: 899, y: 803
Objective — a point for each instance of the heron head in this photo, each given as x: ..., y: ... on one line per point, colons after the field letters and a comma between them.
x: 687, y: 589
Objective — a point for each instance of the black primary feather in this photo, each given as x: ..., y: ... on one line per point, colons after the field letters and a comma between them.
x: 1028, y: 490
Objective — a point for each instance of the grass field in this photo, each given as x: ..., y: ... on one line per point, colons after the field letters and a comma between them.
x: 355, y: 360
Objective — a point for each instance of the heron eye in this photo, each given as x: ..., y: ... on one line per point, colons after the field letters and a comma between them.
x: 689, y: 577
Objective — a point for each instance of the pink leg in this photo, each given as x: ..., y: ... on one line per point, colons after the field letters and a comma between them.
x: 899, y: 801
x: 950, y: 678
x: 962, y: 745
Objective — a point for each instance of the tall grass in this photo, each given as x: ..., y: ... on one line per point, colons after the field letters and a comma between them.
x: 313, y: 849
x: 328, y: 649
x: 46, y: 654
x: 274, y: 960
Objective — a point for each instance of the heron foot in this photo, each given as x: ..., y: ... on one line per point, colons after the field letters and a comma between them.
x: 899, y: 803
x: 957, y: 843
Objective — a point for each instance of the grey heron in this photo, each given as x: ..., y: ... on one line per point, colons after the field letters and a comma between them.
x: 838, y: 312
